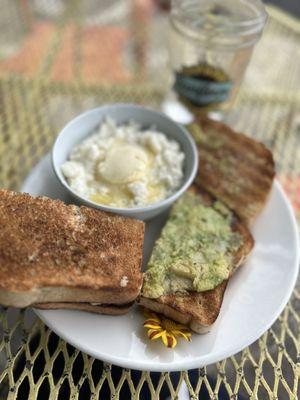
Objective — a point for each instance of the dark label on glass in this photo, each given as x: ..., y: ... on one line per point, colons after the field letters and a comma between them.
x: 203, y: 85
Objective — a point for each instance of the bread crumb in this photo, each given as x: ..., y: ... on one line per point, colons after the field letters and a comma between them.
x: 33, y: 256
x: 76, y: 219
x: 124, y: 281
x: 61, y: 243
x: 81, y: 263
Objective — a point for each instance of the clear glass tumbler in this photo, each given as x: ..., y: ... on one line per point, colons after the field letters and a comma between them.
x: 211, y: 42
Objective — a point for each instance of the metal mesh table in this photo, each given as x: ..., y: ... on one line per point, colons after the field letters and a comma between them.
x: 58, y: 58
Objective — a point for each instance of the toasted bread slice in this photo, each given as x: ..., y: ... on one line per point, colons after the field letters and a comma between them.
x: 51, y: 252
x: 196, y: 310
x: 233, y: 167
x: 200, y: 310
x: 108, y: 309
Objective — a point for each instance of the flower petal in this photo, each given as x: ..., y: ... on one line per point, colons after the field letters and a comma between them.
x: 185, y: 331
x: 171, y: 340
x: 185, y: 335
x: 152, y: 322
x: 153, y: 319
x: 164, y: 338
x: 168, y: 339
x: 152, y: 326
x: 154, y: 334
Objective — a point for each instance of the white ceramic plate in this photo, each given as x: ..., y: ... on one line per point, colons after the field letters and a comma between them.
x: 255, y: 296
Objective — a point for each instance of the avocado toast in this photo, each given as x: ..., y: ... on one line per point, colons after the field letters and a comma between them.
x: 200, y: 247
x: 234, y: 180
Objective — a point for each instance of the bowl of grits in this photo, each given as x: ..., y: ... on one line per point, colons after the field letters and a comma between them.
x: 125, y: 159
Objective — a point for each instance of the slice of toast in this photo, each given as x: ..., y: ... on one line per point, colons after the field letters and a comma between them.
x: 199, y: 310
x: 233, y: 167
x: 54, y: 253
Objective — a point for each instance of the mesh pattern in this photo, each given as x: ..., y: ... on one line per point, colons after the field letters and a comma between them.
x: 52, y: 66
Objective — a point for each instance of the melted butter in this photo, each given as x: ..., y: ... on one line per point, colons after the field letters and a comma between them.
x: 115, y: 196
x: 124, y: 163
x: 155, y: 192
x: 120, y: 196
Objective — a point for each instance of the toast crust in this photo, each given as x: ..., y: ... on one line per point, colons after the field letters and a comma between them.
x: 64, y: 294
x: 49, y: 249
x: 108, y: 309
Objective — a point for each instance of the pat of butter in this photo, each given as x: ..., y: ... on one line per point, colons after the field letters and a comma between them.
x: 124, y: 163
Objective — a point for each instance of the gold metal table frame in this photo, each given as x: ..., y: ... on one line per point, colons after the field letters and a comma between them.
x: 59, y: 58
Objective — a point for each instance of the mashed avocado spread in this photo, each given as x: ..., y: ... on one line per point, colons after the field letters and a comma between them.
x: 194, y: 251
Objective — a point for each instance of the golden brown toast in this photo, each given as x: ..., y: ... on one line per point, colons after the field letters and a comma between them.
x: 233, y: 167
x: 197, y: 310
x: 52, y: 252
x: 200, y: 310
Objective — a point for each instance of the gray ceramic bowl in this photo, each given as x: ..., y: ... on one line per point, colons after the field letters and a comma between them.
x: 84, y: 125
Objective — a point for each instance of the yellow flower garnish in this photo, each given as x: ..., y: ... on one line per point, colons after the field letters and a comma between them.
x: 160, y: 327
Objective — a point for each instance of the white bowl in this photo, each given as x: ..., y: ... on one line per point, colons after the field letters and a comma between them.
x: 84, y: 125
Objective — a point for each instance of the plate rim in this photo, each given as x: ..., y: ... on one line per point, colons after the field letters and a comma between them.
x: 209, y: 358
